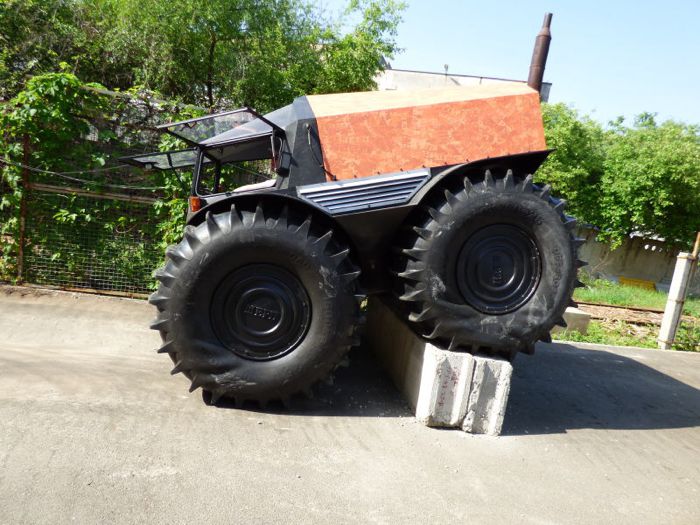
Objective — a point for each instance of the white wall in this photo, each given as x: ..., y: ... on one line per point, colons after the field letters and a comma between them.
x: 637, y: 258
x: 398, y: 79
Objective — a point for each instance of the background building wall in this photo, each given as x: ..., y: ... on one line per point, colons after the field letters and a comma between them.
x: 638, y: 258
x: 398, y: 79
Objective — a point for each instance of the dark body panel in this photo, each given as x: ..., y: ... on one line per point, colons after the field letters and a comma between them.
x: 370, y: 232
x: 301, y: 159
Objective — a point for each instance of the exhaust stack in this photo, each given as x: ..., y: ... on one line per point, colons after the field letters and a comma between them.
x: 539, y: 55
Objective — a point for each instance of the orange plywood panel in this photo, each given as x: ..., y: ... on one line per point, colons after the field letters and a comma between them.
x: 364, y: 143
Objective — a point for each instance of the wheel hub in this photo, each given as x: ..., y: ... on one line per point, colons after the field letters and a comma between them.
x: 498, y: 269
x: 261, y: 312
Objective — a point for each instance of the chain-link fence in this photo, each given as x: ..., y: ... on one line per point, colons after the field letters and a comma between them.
x: 69, y: 222
x: 73, y: 217
x: 89, y: 240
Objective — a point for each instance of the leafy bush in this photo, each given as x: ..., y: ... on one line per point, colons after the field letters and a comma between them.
x: 607, y: 292
x: 216, y: 53
x: 688, y: 337
x: 641, y: 178
x: 57, y: 123
x: 615, y: 333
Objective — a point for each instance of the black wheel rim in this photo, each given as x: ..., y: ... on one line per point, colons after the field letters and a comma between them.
x: 261, y: 312
x: 498, y: 269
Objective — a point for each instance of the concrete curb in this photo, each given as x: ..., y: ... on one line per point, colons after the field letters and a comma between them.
x: 599, y: 346
x: 576, y: 319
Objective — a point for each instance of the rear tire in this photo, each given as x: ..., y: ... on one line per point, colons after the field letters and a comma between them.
x: 257, y: 304
x: 490, y: 266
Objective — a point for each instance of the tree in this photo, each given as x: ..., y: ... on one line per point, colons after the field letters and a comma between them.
x: 350, y: 62
x: 643, y: 178
x: 652, y: 180
x: 575, y: 168
x: 36, y: 36
x: 219, y: 53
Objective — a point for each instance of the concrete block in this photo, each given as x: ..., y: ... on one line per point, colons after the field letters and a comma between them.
x: 576, y: 320
x: 445, y: 389
x: 489, y: 396
x: 443, y: 386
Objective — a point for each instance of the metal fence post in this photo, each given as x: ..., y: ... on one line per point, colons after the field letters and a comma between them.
x: 23, y: 211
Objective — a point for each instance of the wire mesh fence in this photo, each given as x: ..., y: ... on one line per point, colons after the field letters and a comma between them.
x: 90, y: 240
x: 71, y: 214
x: 74, y: 217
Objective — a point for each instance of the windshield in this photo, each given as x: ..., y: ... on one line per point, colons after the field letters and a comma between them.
x: 198, y: 130
x: 166, y: 160
x: 218, y: 177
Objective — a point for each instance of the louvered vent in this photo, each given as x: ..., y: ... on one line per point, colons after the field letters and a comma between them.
x: 367, y: 193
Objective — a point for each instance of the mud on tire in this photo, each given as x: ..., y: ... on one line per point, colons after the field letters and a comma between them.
x: 489, y: 265
x: 257, y: 303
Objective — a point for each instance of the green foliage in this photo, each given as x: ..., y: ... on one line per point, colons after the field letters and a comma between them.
x: 652, y: 180
x: 351, y: 61
x: 52, y: 113
x: 94, y: 243
x: 172, y: 207
x: 36, y: 36
x: 615, y: 333
x: 641, y: 178
x: 619, y: 333
x: 607, y: 292
x: 47, y: 126
x: 40, y: 126
x: 576, y: 168
x: 219, y: 53
x: 688, y: 337
x: 31, y: 32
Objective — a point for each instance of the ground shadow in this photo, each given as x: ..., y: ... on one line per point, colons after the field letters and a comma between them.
x: 563, y: 387
x: 360, y: 389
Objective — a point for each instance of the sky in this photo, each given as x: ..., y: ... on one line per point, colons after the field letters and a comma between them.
x: 607, y: 59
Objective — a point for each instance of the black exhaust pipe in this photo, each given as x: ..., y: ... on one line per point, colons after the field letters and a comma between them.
x: 539, y: 55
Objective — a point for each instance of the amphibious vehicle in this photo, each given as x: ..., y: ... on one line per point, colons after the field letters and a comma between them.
x: 426, y: 197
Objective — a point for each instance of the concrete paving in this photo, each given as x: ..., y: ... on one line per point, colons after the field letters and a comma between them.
x: 93, y: 429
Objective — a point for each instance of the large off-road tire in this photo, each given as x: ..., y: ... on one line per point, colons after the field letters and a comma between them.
x: 489, y: 265
x: 257, y: 304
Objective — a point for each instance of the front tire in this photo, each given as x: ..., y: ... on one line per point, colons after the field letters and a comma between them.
x: 257, y: 304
